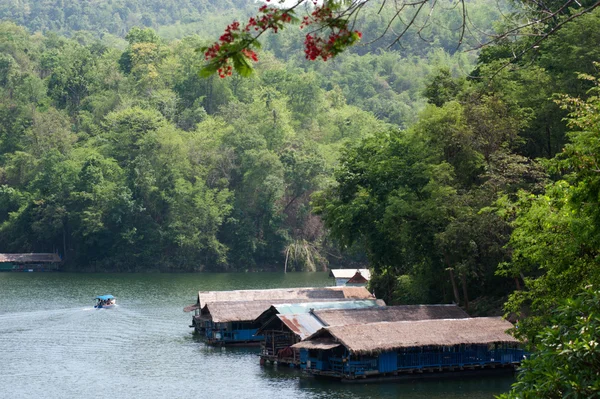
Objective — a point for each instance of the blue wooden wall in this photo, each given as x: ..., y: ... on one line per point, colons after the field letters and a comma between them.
x: 336, y: 363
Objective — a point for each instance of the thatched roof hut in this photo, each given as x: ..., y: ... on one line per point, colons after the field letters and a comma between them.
x: 30, y: 258
x: 382, y: 337
x: 343, y: 317
x: 280, y: 295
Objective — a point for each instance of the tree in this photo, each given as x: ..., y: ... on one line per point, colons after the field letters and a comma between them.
x: 566, y: 363
x: 393, y: 195
x: 71, y: 77
x: 555, y: 244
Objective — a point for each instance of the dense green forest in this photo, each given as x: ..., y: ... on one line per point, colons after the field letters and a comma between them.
x: 117, y: 155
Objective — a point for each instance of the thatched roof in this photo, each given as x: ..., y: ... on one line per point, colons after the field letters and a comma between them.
x: 343, y: 317
x: 386, y: 336
x: 349, y: 273
x: 281, y: 295
x: 223, y: 312
x: 30, y: 258
x: 317, y: 343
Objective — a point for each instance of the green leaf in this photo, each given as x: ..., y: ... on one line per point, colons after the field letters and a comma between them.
x: 241, y: 65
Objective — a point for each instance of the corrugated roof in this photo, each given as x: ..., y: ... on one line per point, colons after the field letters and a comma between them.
x: 303, y: 325
x: 306, y: 307
x: 298, y: 319
x: 281, y: 295
x: 349, y: 273
x: 344, y: 317
x: 386, y: 336
x: 30, y: 258
x: 300, y: 307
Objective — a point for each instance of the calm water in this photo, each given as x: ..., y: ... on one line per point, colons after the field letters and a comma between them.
x: 53, y: 344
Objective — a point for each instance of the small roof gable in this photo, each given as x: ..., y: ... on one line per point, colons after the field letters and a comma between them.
x: 349, y: 273
x: 358, y: 278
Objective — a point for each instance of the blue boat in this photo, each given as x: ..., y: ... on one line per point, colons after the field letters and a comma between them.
x: 105, y: 302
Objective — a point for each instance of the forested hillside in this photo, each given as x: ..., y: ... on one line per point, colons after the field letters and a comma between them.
x: 117, y: 17
x: 116, y: 154
x: 460, y: 195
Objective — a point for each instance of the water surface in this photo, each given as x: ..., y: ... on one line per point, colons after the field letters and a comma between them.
x: 53, y: 344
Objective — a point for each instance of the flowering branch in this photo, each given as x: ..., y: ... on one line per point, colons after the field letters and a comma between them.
x: 235, y: 49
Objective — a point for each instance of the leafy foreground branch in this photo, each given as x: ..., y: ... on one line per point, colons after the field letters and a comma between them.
x: 330, y: 27
x: 235, y: 48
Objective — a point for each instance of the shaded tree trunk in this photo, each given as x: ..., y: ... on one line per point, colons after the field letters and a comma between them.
x: 463, y: 279
x: 452, y: 280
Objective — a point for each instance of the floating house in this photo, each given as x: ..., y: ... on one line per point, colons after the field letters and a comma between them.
x: 350, y: 277
x: 228, y: 317
x: 390, y: 349
x: 285, y: 325
x: 230, y: 322
x: 29, y: 262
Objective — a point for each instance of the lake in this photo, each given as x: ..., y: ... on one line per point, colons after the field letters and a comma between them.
x: 53, y: 344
